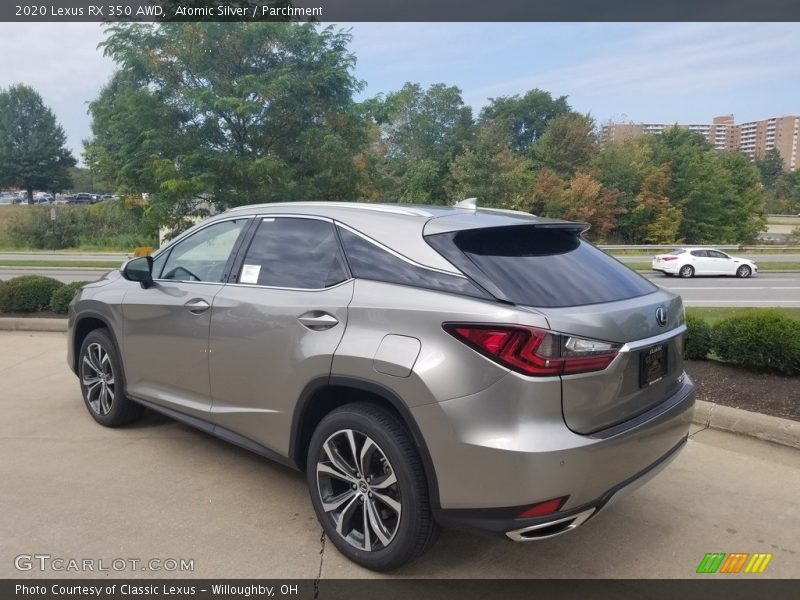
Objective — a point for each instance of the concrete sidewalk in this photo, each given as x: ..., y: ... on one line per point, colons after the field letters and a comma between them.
x: 73, y: 489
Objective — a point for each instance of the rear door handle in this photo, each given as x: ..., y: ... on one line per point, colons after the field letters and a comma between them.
x: 318, y: 320
x: 197, y: 306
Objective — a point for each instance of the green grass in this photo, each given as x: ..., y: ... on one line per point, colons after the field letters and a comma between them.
x: 712, y: 314
x: 764, y: 266
x: 86, y: 264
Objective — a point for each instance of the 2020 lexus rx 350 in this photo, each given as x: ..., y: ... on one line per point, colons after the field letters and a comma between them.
x: 424, y: 366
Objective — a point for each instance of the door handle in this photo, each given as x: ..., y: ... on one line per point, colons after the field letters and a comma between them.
x: 197, y: 306
x: 317, y: 320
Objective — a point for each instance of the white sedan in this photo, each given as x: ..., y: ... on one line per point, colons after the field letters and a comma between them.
x: 688, y: 262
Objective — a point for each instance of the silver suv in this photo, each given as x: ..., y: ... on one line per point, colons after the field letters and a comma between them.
x: 424, y: 366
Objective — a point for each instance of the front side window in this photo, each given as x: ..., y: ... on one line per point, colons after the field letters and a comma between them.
x: 290, y: 252
x: 204, y: 255
x: 717, y: 254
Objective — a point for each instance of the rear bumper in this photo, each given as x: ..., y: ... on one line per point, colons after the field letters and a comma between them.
x: 666, y: 267
x: 496, y: 454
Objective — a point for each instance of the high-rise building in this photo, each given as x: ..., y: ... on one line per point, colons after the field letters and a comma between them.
x: 754, y: 138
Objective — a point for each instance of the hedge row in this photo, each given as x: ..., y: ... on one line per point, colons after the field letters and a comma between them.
x: 763, y: 339
x: 34, y: 293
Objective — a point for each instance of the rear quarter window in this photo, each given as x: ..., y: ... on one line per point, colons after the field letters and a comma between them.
x: 535, y: 266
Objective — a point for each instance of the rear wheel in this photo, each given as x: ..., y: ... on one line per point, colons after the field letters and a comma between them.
x: 744, y: 271
x: 368, y: 487
x: 103, y: 383
x: 686, y: 271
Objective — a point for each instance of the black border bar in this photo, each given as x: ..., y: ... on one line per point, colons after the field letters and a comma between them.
x: 401, y: 10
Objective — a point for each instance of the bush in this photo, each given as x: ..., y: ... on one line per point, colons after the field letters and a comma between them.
x: 29, y: 293
x: 764, y: 339
x: 59, y: 302
x: 697, y: 343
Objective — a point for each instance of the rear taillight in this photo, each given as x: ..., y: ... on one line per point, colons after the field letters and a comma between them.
x: 534, y: 351
x: 669, y: 258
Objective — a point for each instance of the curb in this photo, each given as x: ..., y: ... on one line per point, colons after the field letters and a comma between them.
x: 743, y: 422
x: 32, y: 324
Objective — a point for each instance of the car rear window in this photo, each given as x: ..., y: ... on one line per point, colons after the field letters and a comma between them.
x: 677, y: 251
x: 536, y: 266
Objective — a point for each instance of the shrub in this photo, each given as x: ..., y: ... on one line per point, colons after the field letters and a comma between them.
x: 764, y: 339
x: 697, y: 343
x: 28, y: 293
x: 59, y: 302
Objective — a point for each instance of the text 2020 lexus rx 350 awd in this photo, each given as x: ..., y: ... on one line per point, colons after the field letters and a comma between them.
x: 423, y: 366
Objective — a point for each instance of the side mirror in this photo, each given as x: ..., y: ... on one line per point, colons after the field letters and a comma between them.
x: 139, y: 269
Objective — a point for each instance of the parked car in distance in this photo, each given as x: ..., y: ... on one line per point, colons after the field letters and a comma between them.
x: 424, y: 366
x: 83, y: 198
x: 688, y: 262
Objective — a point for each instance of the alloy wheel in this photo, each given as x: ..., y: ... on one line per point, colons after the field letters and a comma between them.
x: 743, y: 271
x: 97, y: 377
x: 358, y: 490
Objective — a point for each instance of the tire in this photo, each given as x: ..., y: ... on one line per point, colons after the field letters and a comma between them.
x: 686, y: 271
x: 396, y: 515
x: 103, y: 382
x: 743, y: 272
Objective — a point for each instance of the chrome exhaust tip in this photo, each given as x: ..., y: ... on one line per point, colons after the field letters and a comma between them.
x: 548, y: 529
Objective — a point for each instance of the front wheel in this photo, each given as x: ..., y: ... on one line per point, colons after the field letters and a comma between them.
x: 103, y: 382
x: 368, y: 487
x: 744, y: 271
x: 686, y: 271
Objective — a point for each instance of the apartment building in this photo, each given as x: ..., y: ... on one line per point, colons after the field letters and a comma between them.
x: 754, y: 138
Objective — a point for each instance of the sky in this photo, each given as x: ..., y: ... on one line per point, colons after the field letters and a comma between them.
x: 654, y: 72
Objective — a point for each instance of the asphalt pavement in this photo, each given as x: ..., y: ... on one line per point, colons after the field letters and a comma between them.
x: 758, y: 258
x: 159, y: 489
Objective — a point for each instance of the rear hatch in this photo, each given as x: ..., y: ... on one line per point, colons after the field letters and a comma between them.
x: 547, y: 268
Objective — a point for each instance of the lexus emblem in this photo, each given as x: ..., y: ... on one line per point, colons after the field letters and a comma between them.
x: 661, y: 316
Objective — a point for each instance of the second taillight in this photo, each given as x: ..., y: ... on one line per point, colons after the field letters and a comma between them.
x: 534, y: 351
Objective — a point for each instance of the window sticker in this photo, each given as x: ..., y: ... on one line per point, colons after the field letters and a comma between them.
x: 250, y: 274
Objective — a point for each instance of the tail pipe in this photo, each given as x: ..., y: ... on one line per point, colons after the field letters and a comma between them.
x: 548, y: 529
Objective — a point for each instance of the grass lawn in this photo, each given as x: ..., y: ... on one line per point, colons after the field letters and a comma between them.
x: 712, y: 314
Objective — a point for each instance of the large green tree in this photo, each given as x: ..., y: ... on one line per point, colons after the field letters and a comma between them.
x: 33, y: 154
x: 235, y: 112
x: 568, y: 144
x: 525, y: 117
x: 422, y: 132
x: 770, y: 166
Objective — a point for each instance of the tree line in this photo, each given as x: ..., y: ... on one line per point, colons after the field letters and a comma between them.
x: 238, y: 113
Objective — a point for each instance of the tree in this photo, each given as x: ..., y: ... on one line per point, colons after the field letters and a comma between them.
x: 770, y: 167
x: 423, y: 131
x: 493, y: 173
x: 237, y: 112
x: 526, y: 117
x: 32, y: 144
x: 568, y: 144
x: 788, y: 190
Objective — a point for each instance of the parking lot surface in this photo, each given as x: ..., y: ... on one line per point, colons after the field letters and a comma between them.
x: 73, y: 489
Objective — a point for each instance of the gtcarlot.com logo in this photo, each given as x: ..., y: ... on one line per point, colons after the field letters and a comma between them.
x: 735, y: 562
x: 58, y: 564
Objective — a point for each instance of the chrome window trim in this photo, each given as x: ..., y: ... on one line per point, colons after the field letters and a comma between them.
x: 288, y: 289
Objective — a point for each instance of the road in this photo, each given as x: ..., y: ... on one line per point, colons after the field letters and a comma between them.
x: 766, y: 289
x: 76, y: 256
x: 159, y: 489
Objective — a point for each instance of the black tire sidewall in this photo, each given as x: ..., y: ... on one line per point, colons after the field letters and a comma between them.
x: 413, y: 499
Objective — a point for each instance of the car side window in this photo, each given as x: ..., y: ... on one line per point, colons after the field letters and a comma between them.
x: 292, y: 252
x: 716, y: 254
x: 203, y: 255
x: 369, y: 261
x: 699, y: 253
